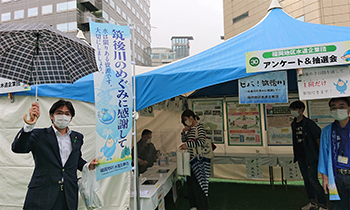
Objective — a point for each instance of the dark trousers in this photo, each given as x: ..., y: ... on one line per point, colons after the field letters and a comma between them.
x: 61, y: 203
x: 195, y: 194
x: 343, y: 187
x: 312, y: 185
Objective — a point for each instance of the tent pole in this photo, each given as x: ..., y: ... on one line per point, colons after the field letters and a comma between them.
x: 135, y: 116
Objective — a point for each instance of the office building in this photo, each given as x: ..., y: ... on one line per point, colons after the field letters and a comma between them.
x: 161, y: 56
x: 241, y: 15
x: 181, y: 46
x: 70, y: 16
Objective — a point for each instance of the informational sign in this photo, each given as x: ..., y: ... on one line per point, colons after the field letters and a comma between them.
x: 243, y: 123
x: 253, y: 168
x: 308, y: 56
x: 264, y: 88
x: 211, y: 116
x: 324, y: 82
x: 291, y: 170
x: 318, y: 111
x: 11, y: 86
x: 278, y: 124
x: 113, y: 98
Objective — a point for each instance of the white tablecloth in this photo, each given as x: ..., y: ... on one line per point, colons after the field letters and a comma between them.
x: 149, y: 193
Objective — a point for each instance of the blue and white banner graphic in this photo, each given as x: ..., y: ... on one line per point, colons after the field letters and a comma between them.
x: 113, y: 98
x: 264, y: 88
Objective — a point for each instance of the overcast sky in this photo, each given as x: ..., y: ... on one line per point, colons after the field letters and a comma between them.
x: 202, y: 19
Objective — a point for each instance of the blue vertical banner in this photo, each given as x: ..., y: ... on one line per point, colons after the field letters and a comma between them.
x: 113, y: 98
x: 270, y: 87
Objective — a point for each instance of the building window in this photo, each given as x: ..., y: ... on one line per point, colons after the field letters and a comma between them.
x: 242, y: 16
x: 154, y: 56
x: 62, y: 27
x: 118, y: 9
x: 163, y: 56
x: 137, y: 15
x: 138, y: 2
x: 112, y: 21
x: 124, y: 1
x: 129, y: 20
x: 124, y: 15
x: 111, y: 2
x: 5, y: 16
x: 128, y: 5
x: 47, y: 9
x: 72, y: 26
x: 66, y: 6
x: 133, y: 10
x: 4, y: 1
x: 171, y: 56
x: 105, y: 15
x: 301, y: 18
x: 19, y: 14
x: 33, y: 12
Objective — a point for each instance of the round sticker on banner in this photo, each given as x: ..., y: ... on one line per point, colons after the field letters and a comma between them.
x: 254, y: 61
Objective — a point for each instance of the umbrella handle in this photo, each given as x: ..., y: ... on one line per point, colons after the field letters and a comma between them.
x: 29, y: 122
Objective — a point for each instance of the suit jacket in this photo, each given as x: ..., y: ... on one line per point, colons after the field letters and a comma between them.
x: 46, y: 180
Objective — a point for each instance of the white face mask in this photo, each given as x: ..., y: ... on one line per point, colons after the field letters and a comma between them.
x: 340, y: 114
x: 294, y: 113
x: 62, y: 121
x: 149, y: 141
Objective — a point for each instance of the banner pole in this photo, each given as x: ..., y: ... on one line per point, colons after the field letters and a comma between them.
x: 135, y: 116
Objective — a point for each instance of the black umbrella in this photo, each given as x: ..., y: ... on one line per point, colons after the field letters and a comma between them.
x: 39, y: 54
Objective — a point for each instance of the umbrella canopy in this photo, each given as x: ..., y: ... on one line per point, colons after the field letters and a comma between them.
x: 38, y: 54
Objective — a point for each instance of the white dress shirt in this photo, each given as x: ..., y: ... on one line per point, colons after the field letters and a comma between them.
x: 64, y: 141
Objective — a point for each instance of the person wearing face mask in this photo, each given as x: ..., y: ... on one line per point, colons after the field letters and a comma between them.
x: 306, y: 138
x: 57, y: 156
x: 197, y: 197
x: 334, y: 155
x: 146, y: 152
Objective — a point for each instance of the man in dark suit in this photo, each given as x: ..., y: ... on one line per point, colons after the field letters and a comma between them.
x: 57, y: 155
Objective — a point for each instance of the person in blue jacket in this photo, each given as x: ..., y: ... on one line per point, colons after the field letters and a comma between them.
x: 57, y: 156
x: 306, y: 136
x: 334, y: 155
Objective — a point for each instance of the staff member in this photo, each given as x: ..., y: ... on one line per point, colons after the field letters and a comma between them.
x: 334, y: 156
x: 57, y: 155
x: 146, y: 151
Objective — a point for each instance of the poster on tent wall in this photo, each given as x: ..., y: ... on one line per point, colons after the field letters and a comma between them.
x: 264, y: 88
x: 253, y: 168
x: 243, y: 123
x: 324, y: 82
x: 307, y: 56
x: 113, y: 98
x: 211, y: 116
x: 11, y: 86
x: 278, y: 123
x: 318, y: 111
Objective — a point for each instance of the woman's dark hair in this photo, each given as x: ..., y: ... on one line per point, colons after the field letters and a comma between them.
x: 60, y: 103
x: 188, y: 113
